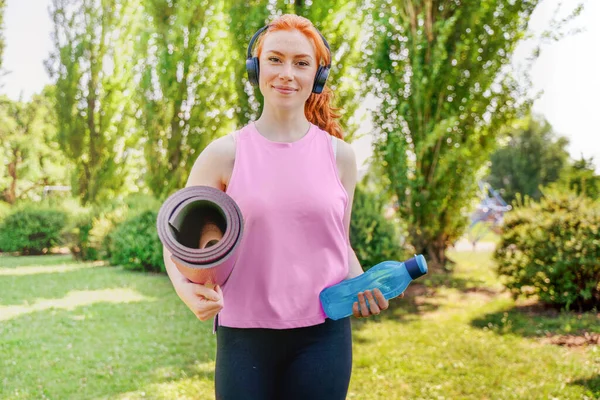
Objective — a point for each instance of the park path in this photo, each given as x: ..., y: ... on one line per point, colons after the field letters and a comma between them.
x: 465, y: 245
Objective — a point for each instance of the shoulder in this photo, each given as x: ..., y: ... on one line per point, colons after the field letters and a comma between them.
x: 214, y: 163
x: 222, y: 148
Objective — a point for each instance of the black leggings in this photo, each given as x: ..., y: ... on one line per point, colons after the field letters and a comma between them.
x: 313, y: 362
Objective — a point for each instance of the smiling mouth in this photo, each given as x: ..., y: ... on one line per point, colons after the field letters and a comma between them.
x: 285, y: 91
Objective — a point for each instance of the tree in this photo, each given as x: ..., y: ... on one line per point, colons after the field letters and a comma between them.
x: 184, y: 95
x: 440, y: 69
x: 580, y: 177
x: 91, y: 62
x: 31, y: 156
x: 244, y: 18
x: 534, y: 156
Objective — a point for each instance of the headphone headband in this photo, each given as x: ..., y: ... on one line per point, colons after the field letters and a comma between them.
x: 261, y: 30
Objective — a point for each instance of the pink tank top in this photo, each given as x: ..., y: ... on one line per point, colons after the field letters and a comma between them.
x: 295, y: 242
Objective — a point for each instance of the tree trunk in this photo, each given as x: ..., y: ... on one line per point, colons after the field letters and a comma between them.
x: 434, y: 251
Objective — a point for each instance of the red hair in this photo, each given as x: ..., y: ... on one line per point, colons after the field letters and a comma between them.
x: 318, y: 108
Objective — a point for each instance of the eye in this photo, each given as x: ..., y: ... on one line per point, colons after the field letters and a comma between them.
x: 304, y: 63
x: 273, y: 58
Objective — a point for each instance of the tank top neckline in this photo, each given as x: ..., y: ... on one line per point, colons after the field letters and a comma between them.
x: 296, y: 143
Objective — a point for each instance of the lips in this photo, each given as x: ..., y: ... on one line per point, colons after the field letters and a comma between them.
x: 284, y: 90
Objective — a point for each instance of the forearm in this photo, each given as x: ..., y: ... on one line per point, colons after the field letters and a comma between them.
x: 354, y: 267
x: 174, y: 274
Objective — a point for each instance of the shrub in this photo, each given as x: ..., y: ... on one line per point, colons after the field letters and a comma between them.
x: 32, y: 229
x: 135, y: 245
x: 551, y: 249
x: 116, y: 213
x: 89, y: 231
x: 374, y: 238
x: 5, y: 209
x: 77, y: 235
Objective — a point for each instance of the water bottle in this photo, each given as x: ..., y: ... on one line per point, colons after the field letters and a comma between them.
x: 391, y: 277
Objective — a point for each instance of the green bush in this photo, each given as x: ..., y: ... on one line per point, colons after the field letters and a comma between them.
x: 135, y: 245
x: 5, y: 209
x: 116, y: 213
x: 374, y: 238
x: 78, y: 237
x: 551, y: 249
x: 90, y: 227
x: 32, y: 229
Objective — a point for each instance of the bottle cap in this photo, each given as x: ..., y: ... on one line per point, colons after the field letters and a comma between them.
x: 416, y: 266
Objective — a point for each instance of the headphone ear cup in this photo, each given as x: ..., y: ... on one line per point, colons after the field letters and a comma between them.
x: 320, y: 79
x: 252, y: 68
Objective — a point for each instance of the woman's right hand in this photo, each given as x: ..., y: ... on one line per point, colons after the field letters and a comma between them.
x: 205, y: 301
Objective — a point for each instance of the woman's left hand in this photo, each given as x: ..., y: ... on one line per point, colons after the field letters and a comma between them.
x: 360, y: 308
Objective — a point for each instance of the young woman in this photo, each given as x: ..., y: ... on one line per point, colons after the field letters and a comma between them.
x: 294, y: 181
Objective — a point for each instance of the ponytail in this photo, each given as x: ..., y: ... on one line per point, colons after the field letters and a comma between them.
x: 320, y: 112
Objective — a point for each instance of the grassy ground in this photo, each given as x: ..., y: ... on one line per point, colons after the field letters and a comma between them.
x: 79, y: 331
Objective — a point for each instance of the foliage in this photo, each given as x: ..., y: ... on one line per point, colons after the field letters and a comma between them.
x: 551, y: 249
x: 184, y: 97
x: 88, y: 235
x: 31, y: 156
x: 91, y: 63
x: 374, y: 238
x: 5, y: 209
x: 32, y: 229
x: 78, y: 238
x: 135, y: 244
x: 580, y: 177
x: 533, y: 157
x: 439, y: 70
x: 244, y: 18
x: 142, y: 87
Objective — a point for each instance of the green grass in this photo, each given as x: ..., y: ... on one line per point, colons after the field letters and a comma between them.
x: 78, y: 331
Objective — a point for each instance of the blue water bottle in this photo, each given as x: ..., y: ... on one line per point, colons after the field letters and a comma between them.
x: 391, y: 277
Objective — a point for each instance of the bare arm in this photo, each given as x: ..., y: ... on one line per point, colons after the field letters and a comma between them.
x: 208, y: 170
x: 348, y: 175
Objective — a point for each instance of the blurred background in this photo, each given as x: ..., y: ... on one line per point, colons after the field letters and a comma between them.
x: 476, y: 130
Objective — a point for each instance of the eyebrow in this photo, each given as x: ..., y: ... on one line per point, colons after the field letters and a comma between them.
x: 281, y: 54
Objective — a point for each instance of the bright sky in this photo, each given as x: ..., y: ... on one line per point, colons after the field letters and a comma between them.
x: 567, y: 71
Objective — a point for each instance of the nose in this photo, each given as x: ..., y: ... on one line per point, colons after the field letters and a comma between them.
x: 286, y: 72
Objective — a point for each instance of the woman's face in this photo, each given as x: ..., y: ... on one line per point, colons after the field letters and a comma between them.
x: 288, y: 65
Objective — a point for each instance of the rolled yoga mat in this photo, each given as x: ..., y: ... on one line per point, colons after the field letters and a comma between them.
x: 202, y: 227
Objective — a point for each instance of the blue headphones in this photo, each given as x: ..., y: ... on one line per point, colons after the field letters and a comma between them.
x: 253, y: 68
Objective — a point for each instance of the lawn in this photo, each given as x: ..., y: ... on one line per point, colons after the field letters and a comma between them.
x: 82, y: 331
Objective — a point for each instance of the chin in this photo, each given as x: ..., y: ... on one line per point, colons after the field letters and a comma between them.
x: 288, y: 105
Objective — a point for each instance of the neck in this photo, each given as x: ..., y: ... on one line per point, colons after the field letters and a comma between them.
x: 282, y: 126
